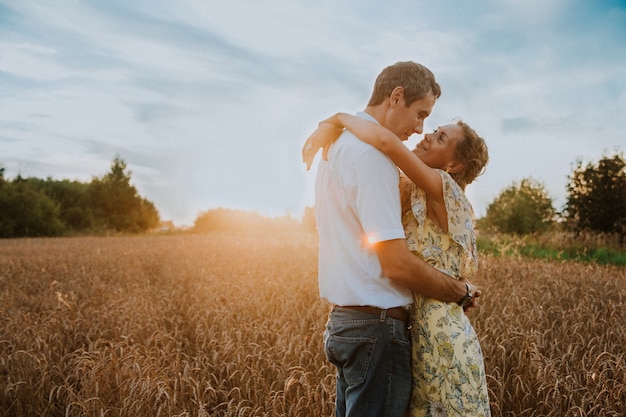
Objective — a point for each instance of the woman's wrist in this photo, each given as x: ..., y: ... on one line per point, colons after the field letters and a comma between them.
x: 333, y: 120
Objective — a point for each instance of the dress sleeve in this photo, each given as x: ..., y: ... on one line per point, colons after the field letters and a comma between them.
x: 460, y: 222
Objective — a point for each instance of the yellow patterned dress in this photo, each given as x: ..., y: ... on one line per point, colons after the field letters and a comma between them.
x: 447, y: 362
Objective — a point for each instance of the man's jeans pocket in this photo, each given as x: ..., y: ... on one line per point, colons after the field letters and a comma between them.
x: 350, y: 354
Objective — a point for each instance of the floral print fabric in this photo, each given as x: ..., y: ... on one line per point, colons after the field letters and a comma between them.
x: 448, y: 372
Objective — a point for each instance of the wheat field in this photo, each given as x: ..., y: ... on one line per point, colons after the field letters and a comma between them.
x: 231, y: 325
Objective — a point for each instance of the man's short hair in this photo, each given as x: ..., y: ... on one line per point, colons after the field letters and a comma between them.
x: 416, y: 79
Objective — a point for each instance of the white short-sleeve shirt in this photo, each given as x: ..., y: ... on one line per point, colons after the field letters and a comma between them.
x: 357, y: 203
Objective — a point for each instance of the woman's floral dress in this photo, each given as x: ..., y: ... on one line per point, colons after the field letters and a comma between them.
x: 447, y: 362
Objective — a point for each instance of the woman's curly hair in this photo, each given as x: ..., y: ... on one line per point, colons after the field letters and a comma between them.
x: 472, y: 152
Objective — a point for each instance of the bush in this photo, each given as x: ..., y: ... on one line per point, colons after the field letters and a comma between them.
x: 520, y: 209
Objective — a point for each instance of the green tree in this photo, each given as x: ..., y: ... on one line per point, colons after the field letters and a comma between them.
x: 597, y: 196
x: 25, y: 211
x: 115, y: 203
x: 521, y: 209
x: 71, y: 196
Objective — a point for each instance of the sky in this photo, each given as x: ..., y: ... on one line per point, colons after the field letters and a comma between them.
x: 210, y: 101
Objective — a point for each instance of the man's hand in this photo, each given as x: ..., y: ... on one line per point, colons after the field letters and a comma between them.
x: 324, y: 136
x: 476, y: 293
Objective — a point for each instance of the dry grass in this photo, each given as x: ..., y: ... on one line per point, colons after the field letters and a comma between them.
x: 231, y: 325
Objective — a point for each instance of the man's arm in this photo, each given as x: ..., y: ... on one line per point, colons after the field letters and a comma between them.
x: 410, y: 271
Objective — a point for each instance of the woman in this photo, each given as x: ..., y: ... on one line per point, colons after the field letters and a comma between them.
x: 448, y: 369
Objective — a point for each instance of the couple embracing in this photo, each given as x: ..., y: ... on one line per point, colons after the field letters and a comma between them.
x: 395, y: 251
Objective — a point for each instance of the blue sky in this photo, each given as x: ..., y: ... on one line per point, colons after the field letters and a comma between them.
x: 209, y: 102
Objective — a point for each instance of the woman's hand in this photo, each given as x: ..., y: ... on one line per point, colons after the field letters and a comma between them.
x: 324, y: 136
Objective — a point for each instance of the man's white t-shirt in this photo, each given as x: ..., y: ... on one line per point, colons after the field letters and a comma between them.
x: 357, y: 203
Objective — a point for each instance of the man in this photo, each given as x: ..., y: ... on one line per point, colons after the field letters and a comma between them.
x: 365, y: 267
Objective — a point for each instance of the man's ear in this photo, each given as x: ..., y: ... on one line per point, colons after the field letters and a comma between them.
x: 397, y: 96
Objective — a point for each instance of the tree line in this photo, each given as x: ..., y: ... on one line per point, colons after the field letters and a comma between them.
x: 32, y: 207
x: 223, y: 219
x: 596, y: 202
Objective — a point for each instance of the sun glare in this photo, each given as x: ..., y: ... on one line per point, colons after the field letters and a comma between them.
x: 371, y: 239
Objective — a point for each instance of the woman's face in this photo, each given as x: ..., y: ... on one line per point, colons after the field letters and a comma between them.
x: 437, y: 148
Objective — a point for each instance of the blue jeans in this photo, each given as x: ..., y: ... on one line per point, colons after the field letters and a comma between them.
x: 373, y: 359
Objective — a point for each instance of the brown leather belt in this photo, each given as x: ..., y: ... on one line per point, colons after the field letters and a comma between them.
x: 399, y: 313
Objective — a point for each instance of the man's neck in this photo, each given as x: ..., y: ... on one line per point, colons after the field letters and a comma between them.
x: 377, y: 112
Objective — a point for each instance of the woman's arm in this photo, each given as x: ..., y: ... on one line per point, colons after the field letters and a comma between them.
x: 385, y: 141
x: 325, y: 135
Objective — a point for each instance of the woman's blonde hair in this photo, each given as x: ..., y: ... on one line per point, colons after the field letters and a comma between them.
x: 472, y: 153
